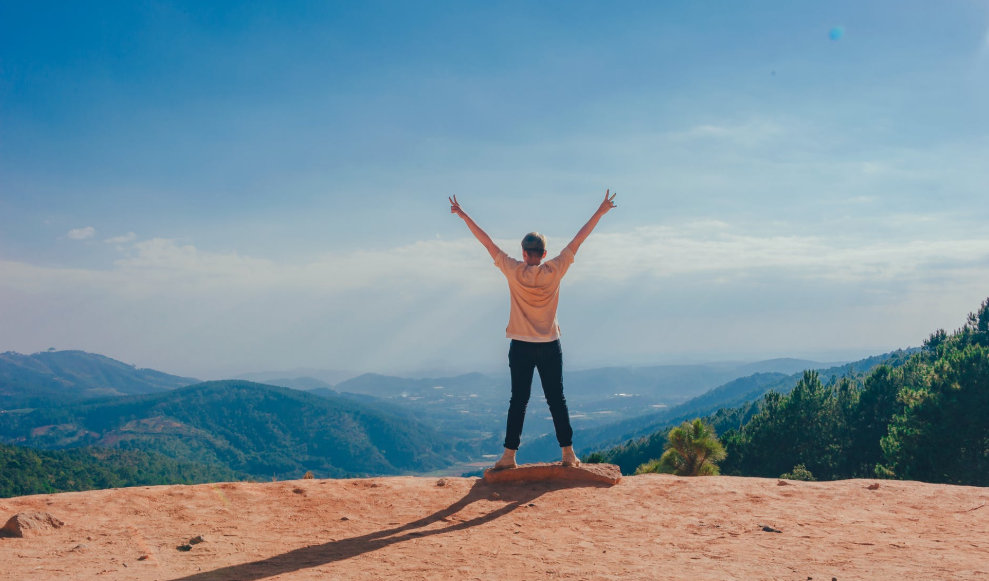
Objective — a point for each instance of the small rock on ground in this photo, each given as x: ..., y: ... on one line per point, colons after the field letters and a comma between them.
x: 30, y: 524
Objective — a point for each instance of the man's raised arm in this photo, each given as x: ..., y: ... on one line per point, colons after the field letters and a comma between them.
x: 584, y: 232
x: 481, y: 235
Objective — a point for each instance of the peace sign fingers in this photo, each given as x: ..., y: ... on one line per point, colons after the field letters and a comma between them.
x: 609, y: 201
x: 454, y: 205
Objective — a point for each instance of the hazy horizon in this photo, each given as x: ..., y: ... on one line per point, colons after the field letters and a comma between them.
x: 211, y: 191
x: 487, y: 368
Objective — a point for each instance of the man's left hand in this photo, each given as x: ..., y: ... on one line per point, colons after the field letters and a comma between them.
x: 455, y: 207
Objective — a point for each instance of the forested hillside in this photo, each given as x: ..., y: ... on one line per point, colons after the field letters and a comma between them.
x: 920, y: 417
x: 246, y: 427
x: 736, y: 392
x: 26, y: 471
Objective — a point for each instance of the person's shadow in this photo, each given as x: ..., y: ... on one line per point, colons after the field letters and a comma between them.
x: 316, y: 555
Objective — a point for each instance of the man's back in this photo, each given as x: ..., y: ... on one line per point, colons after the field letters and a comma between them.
x: 535, y: 296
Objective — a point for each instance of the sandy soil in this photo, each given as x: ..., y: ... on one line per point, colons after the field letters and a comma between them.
x: 647, y: 527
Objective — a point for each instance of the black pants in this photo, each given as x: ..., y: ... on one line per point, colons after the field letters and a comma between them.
x: 523, y: 358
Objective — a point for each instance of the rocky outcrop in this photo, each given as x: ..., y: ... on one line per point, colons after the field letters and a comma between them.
x: 555, y: 472
x: 30, y: 524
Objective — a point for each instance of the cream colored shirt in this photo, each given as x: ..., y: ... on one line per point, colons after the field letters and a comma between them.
x: 535, y: 294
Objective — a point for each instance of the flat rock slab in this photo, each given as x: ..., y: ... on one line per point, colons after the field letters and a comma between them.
x: 555, y: 472
x: 30, y: 524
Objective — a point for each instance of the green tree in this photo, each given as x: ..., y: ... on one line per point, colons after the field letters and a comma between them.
x: 692, y: 449
x: 942, y: 433
x: 878, y: 402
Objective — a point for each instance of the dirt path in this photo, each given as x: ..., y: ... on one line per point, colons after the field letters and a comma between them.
x: 647, y: 527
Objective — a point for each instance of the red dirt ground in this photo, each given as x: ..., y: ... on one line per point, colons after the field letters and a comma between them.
x: 647, y: 527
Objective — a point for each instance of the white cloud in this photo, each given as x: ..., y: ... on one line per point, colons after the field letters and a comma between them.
x: 751, y: 133
x: 82, y: 233
x: 709, y: 248
x: 129, y: 237
x: 663, y: 251
x: 178, y: 307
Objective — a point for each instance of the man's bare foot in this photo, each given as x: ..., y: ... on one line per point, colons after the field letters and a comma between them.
x: 507, y: 460
x: 569, y: 458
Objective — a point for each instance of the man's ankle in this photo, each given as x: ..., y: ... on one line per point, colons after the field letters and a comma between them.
x: 569, y: 457
x: 507, y: 459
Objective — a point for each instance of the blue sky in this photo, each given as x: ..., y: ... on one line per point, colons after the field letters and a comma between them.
x: 209, y: 188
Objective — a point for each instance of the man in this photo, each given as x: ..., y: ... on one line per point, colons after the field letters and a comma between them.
x: 532, y: 326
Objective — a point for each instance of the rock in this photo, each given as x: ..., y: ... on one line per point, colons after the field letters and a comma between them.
x: 184, y: 548
x: 345, y: 518
x: 30, y: 524
x: 556, y: 472
x: 442, y: 482
x: 770, y: 529
x: 144, y: 557
x: 77, y: 548
x: 874, y: 486
x: 782, y: 483
x: 196, y: 540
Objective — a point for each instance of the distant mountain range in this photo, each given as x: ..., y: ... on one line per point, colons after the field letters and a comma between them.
x: 57, y: 377
x: 327, y: 376
x: 53, y: 378
x: 245, y: 427
x: 365, y: 424
x: 302, y: 383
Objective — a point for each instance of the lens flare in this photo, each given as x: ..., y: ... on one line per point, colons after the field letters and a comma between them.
x: 836, y: 33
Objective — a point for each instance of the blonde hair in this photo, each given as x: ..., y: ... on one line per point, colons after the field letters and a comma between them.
x: 534, y: 242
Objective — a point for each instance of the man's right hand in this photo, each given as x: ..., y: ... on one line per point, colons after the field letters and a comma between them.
x: 481, y: 236
x: 455, y: 207
x: 608, y: 203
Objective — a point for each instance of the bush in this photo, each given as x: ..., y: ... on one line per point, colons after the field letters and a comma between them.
x: 799, y: 472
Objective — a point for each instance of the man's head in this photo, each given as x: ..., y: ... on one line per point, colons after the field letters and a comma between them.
x: 533, y: 248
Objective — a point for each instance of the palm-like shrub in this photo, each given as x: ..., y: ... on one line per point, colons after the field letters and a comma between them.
x: 692, y: 449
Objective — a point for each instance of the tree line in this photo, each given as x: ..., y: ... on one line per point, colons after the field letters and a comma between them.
x: 923, y: 417
x: 28, y: 471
